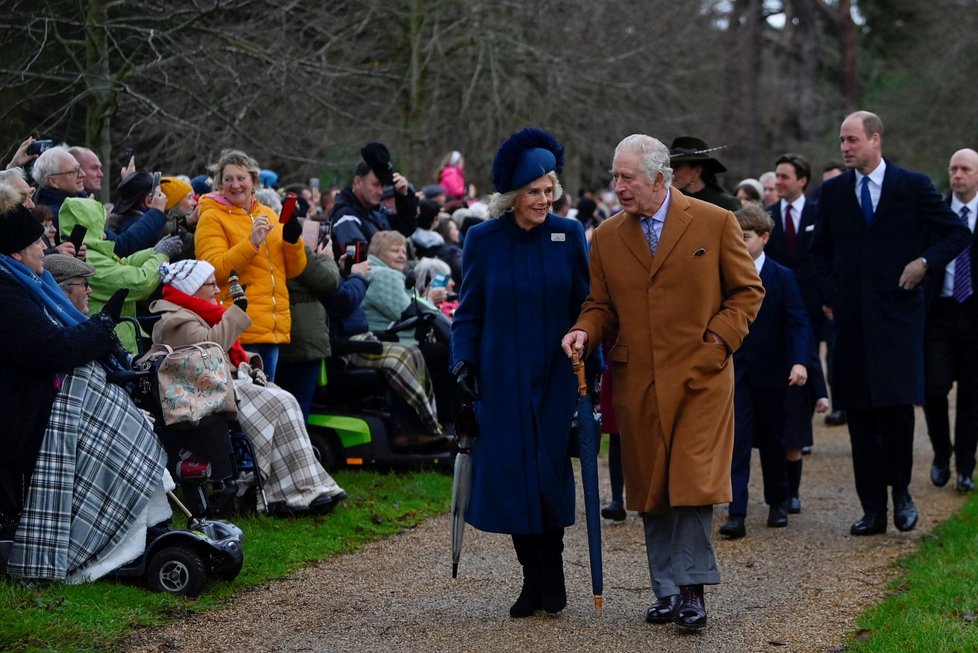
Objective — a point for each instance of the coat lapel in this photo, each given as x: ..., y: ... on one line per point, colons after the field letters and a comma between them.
x: 630, y: 231
x: 887, y: 192
x: 677, y: 220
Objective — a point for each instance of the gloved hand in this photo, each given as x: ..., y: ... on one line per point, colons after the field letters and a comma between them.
x: 466, y: 381
x: 258, y: 377
x: 113, y: 307
x: 291, y: 231
x: 170, y: 246
x: 237, y: 292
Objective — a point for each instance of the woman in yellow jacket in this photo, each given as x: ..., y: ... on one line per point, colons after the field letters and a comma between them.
x: 238, y: 234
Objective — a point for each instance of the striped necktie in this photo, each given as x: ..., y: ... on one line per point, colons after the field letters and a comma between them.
x: 962, y: 268
x: 650, y: 235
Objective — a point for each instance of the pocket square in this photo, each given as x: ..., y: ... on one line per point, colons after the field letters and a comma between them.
x: 699, y: 252
x: 810, y: 227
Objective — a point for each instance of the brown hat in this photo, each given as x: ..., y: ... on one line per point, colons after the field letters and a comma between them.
x: 63, y: 267
x: 689, y: 149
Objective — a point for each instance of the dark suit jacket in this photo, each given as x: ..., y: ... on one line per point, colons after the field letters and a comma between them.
x: 935, y: 275
x: 780, y: 335
x: 803, y: 263
x: 878, y: 352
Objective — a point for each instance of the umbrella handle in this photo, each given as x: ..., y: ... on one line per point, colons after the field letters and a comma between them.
x: 578, y: 368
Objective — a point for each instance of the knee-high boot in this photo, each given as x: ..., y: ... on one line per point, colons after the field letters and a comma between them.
x: 552, y: 566
x: 530, y: 598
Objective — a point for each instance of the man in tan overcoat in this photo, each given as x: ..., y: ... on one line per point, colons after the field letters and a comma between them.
x: 673, y: 276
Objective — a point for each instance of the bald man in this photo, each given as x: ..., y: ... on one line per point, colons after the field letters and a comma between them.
x: 951, y: 339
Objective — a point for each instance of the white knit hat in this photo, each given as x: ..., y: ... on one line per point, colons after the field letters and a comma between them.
x: 187, y: 276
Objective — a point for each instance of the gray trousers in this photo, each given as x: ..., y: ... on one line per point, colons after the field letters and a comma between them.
x: 679, y: 547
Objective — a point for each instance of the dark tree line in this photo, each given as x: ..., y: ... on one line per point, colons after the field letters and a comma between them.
x: 302, y: 85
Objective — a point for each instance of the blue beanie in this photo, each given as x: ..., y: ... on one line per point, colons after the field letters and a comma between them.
x: 526, y: 155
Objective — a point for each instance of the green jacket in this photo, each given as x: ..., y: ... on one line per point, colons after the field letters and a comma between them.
x: 137, y: 272
x: 310, y: 323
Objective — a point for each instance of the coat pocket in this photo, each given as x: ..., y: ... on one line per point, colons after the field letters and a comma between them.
x: 618, y: 354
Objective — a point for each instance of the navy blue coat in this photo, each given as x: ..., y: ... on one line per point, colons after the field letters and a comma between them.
x: 780, y: 335
x: 803, y: 263
x: 521, y: 292
x: 878, y: 354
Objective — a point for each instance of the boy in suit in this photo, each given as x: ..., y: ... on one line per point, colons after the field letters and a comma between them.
x: 773, y: 357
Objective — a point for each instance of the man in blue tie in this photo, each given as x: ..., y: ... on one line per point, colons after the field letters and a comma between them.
x: 878, y: 229
x: 951, y: 339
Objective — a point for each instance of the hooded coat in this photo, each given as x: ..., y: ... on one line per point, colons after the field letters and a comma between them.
x: 138, y: 272
x: 521, y: 292
x: 222, y: 239
x: 673, y: 396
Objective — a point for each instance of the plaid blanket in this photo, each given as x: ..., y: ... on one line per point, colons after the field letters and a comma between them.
x: 88, y: 504
x: 404, y: 368
x: 273, y: 421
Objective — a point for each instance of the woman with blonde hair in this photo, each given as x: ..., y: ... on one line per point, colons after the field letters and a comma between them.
x: 237, y: 233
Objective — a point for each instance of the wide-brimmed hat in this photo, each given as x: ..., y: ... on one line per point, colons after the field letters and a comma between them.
x: 63, y: 267
x: 133, y: 191
x: 689, y: 149
x: 526, y: 155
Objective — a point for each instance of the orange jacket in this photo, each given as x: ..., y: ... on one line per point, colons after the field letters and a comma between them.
x: 222, y: 240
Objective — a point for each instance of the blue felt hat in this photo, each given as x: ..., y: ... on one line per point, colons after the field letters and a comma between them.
x: 526, y: 155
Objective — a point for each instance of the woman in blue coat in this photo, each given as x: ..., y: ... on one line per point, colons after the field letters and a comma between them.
x: 524, y: 277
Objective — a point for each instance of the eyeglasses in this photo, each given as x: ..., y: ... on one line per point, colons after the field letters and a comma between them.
x: 74, y: 171
x: 78, y: 283
x: 212, y: 284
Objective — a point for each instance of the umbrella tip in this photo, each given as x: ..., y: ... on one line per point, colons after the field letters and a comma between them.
x: 454, y: 570
x: 598, y: 604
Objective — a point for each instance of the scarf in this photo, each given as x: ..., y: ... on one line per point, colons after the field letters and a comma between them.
x: 210, y: 312
x: 45, y: 288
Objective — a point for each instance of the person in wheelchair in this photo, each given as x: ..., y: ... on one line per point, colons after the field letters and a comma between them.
x: 82, y: 476
x: 388, y: 300
x: 403, y: 366
x: 270, y: 417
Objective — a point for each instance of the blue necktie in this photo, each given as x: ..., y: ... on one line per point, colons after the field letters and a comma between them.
x: 650, y: 235
x: 866, y: 200
x: 962, y: 289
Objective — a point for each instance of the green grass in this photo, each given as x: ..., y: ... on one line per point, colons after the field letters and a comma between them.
x: 94, y: 617
x: 934, y: 604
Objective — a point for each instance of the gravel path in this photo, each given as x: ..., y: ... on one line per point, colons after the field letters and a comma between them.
x: 794, y: 589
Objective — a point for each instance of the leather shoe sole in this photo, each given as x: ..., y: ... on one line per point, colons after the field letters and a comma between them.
x: 869, y: 525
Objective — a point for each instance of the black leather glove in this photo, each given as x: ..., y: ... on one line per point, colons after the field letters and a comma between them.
x: 113, y: 307
x: 237, y: 292
x: 291, y: 231
x: 466, y: 381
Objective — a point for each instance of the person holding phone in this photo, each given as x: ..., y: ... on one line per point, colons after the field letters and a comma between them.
x: 236, y: 232
x: 138, y: 216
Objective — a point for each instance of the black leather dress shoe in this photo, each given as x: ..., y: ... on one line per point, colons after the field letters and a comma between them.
x: 691, y: 611
x: 794, y: 505
x: 734, y: 527
x: 940, y: 474
x: 869, y: 524
x: 965, y: 483
x: 904, y: 512
x: 614, y: 511
x: 777, y: 515
x: 663, y: 610
x: 836, y: 418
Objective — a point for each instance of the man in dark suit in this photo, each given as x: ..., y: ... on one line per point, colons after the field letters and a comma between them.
x: 879, y: 228
x: 951, y: 339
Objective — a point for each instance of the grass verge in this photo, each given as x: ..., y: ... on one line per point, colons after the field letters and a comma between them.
x: 96, y: 616
x: 934, y: 604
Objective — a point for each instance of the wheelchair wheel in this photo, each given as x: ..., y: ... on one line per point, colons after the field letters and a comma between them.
x: 177, y: 570
x: 326, y: 448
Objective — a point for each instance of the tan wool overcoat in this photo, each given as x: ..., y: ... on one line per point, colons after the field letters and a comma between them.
x: 673, y: 385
